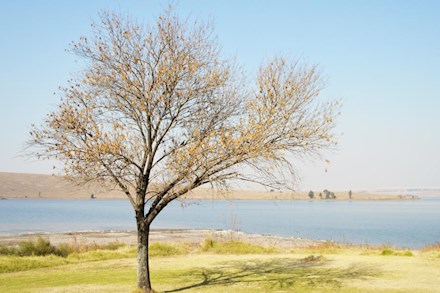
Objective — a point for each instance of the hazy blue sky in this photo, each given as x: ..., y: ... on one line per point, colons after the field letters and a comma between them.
x: 382, y: 59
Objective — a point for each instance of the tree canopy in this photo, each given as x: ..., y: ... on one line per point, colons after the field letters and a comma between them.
x: 159, y: 111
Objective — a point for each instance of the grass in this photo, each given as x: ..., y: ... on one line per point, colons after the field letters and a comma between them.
x: 226, y: 267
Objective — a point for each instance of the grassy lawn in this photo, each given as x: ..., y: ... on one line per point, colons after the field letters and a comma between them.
x: 239, y: 268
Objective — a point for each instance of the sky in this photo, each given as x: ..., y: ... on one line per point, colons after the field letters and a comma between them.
x: 381, y: 58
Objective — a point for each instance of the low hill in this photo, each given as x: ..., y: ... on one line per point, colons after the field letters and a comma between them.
x: 23, y: 185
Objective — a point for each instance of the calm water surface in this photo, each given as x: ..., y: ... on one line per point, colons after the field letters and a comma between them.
x: 412, y: 224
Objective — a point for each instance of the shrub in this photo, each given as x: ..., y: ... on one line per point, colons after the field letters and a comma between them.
x: 64, y: 250
x: 234, y: 247
x: 313, y: 258
x: 5, y: 250
x: 387, y: 251
x: 325, y: 247
x: 432, y: 247
x: 112, y: 245
x: 40, y: 247
x: 207, y: 244
x: 163, y: 249
x: 407, y: 253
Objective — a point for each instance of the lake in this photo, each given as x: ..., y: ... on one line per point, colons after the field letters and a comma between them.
x: 411, y: 224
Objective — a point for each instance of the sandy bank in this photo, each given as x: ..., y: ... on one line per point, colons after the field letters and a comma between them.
x: 192, y: 236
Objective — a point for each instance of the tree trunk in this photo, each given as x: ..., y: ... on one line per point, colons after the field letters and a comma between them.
x: 143, y: 277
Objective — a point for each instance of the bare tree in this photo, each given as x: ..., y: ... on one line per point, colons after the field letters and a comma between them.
x: 157, y: 112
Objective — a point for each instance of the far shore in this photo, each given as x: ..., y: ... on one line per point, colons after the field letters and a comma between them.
x: 227, y: 198
x: 40, y: 186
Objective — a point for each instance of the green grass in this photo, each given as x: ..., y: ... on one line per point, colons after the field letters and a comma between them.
x: 226, y: 267
x: 13, y: 263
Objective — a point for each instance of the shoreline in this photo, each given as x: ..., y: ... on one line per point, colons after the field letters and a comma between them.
x: 212, y: 266
x: 189, y: 236
x: 192, y: 237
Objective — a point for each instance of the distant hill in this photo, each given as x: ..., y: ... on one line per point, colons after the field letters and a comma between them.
x: 22, y: 185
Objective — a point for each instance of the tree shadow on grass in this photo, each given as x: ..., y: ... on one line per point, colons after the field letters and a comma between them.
x: 279, y: 273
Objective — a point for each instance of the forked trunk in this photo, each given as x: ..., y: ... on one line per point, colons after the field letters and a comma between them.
x: 143, y: 277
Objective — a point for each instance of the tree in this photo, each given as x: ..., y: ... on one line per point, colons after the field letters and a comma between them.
x: 311, y: 194
x: 350, y: 194
x: 157, y: 112
x: 329, y: 194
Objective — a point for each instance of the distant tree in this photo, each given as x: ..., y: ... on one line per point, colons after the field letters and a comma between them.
x: 158, y: 113
x: 350, y: 194
x: 311, y: 194
x: 328, y: 194
x: 320, y: 195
